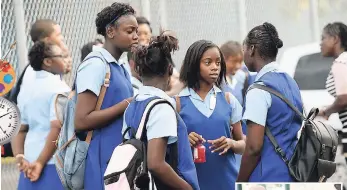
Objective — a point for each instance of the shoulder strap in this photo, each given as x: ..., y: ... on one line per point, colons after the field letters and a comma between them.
x: 145, y: 116
x: 178, y: 104
x: 102, y: 91
x: 227, y: 96
x: 274, y: 92
x: 268, y: 133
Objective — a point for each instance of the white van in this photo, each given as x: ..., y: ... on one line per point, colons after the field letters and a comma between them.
x: 310, y: 70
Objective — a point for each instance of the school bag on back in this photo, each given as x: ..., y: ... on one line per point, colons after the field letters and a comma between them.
x: 71, y: 152
x: 127, y: 168
x: 314, y: 155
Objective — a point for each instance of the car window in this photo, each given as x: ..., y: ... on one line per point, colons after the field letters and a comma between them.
x: 312, y: 71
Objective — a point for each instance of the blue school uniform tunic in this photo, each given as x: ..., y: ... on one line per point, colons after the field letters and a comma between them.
x: 268, y: 110
x: 37, y: 111
x: 90, y: 76
x: 219, y: 171
x: 163, y: 122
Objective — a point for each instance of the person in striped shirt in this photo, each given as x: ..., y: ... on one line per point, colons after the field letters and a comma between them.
x: 334, y: 44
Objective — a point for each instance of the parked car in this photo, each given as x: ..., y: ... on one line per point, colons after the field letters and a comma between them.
x: 310, y: 70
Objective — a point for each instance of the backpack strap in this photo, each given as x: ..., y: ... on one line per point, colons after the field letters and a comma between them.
x: 101, y: 97
x: 178, y: 104
x: 104, y: 87
x: 268, y: 133
x: 145, y: 116
x: 227, y: 96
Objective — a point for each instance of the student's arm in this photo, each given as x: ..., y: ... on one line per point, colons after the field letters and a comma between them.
x: 257, y: 105
x: 90, y: 78
x: 161, y: 131
x: 18, y: 141
x: 339, y: 71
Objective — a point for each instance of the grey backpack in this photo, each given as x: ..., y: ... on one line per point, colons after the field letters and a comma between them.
x: 71, y: 152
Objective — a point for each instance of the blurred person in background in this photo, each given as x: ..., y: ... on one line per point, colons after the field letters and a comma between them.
x: 34, y: 145
x: 42, y: 30
x: 118, y: 25
x: 334, y: 44
x: 144, y: 31
x: 260, y: 162
x: 233, y: 55
x: 212, y: 116
x: 88, y: 47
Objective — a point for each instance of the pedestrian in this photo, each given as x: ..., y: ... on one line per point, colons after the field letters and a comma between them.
x: 212, y: 117
x: 260, y: 162
x: 165, y: 132
x: 35, y: 145
x: 334, y: 44
x: 118, y: 25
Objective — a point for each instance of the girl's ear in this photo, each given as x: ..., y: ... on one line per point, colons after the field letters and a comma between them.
x: 170, y: 68
x: 47, y: 62
x: 252, y: 51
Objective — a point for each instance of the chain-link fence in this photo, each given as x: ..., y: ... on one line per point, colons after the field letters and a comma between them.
x: 193, y: 20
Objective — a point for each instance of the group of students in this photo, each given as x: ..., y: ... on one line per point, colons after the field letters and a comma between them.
x: 210, y: 100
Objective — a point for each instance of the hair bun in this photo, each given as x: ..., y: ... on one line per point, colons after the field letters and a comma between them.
x: 141, y: 51
x: 167, y: 41
x: 273, y: 34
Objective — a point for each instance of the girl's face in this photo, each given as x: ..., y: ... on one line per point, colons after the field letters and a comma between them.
x: 210, y: 65
x: 233, y: 64
x: 59, y: 62
x: 145, y: 34
x: 124, y: 35
x: 327, y: 44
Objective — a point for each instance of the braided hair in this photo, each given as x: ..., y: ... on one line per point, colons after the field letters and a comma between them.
x: 38, y: 52
x: 154, y: 60
x: 265, y: 38
x: 338, y: 29
x: 190, y: 70
x: 110, y: 15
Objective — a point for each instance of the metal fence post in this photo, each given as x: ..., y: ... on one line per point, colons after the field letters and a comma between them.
x: 315, y: 31
x: 163, y: 15
x: 242, y: 19
x: 146, y: 9
x: 21, y: 46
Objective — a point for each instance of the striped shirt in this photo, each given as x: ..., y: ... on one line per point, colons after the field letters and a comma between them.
x: 336, y: 85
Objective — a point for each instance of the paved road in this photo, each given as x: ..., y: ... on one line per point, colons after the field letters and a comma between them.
x: 341, y: 171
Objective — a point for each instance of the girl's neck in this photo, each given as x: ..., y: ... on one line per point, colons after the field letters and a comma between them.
x: 338, y: 52
x: 115, y: 52
x: 203, y: 90
x: 155, y: 82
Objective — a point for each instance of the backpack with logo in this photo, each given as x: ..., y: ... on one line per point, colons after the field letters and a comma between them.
x: 127, y: 168
x: 71, y: 151
x: 314, y: 155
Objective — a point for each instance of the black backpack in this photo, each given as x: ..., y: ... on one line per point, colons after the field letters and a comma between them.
x: 314, y: 155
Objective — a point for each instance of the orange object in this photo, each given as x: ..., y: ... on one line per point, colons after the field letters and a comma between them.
x: 7, y: 74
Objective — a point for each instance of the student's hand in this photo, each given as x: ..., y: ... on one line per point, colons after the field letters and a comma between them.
x: 222, y: 144
x: 23, y: 165
x: 195, y: 139
x: 34, y: 171
x: 321, y: 113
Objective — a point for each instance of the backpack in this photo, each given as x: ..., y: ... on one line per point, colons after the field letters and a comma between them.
x: 127, y: 169
x: 71, y: 151
x: 314, y: 155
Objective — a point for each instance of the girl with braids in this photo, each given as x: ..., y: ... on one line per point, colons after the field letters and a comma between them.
x: 334, y: 44
x: 260, y: 162
x: 212, y: 117
x: 166, y: 135
x: 118, y: 25
x: 34, y: 145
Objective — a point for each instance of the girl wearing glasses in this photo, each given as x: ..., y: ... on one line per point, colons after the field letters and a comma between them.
x: 34, y: 145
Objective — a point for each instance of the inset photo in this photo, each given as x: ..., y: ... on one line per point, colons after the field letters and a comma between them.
x: 288, y: 186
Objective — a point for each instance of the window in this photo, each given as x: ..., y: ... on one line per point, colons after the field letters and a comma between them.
x: 312, y: 71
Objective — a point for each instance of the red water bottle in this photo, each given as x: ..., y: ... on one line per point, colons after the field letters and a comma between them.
x: 199, y: 153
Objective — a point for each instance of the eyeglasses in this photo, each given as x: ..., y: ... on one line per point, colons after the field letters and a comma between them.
x: 59, y: 56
